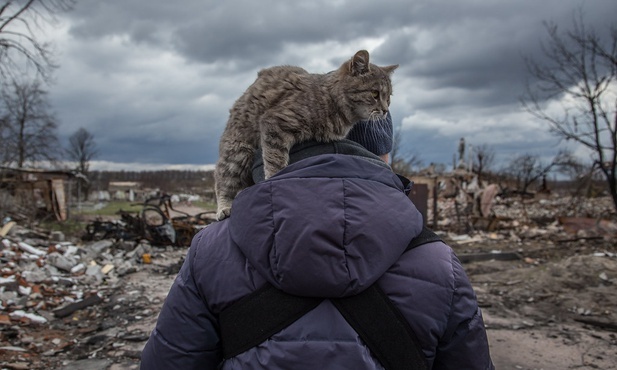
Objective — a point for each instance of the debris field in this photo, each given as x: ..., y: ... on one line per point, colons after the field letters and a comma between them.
x: 544, y: 271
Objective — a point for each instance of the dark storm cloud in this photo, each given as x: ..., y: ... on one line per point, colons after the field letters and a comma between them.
x: 474, y: 45
x: 481, y: 45
x: 146, y: 74
x: 236, y: 31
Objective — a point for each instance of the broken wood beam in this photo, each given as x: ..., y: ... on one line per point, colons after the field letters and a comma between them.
x: 601, y: 324
x: 76, y: 306
x: 476, y: 257
x: 580, y: 238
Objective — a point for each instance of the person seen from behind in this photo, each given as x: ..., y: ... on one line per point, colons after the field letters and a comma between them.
x: 333, y: 223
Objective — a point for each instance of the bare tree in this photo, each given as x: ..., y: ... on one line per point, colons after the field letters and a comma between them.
x: 5, y: 134
x: 567, y: 164
x: 580, y: 70
x: 19, y: 23
x: 402, y: 163
x: 30, y: 124
x: 578, y: 173
x: 81, y: 150
x: 483, y: 160
x: 527, y: 169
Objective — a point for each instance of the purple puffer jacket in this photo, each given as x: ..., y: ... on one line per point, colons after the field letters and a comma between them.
x: 326, y: 226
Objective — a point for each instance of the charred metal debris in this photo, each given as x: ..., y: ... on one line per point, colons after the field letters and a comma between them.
x: 154, y: 223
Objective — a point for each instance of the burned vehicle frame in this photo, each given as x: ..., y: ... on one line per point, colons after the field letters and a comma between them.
x: 154, y: 223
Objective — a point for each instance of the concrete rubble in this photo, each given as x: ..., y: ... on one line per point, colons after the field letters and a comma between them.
x: 67, y: 305
x: 544, y: 271
x: 514, y: 218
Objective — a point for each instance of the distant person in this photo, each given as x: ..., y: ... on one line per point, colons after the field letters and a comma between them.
x: 333, y: 223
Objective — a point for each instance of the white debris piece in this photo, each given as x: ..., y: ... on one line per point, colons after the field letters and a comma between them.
x: 30, y: 249
x: 78, y: 268
x: 7, y: 280
x: 32, y: 317
x: 61, y: 262
x: 70, y: 251
x: 25, y: 291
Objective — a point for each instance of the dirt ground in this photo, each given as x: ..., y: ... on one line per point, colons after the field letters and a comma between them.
x: 553, y: 309
x: 548, y: 301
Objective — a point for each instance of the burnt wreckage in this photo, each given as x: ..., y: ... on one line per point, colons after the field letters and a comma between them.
x: 154, y: 223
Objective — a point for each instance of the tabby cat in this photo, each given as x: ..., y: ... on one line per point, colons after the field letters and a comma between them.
x: 287, y: 105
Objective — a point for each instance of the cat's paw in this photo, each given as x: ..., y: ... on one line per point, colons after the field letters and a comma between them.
x: 223, y: 213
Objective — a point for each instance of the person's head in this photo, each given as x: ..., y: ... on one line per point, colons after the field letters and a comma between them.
x: 375, y: 135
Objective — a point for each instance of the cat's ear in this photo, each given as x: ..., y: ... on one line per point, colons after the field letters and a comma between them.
x: 359, y: 64
x: 390, y: 69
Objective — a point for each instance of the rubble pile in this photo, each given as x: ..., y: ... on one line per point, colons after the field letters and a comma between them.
x: 515, y: 218
x: 545, y: 274
x: 61, y: 301
x: 550, y: 207
x: 542, y: 268
x: 565, y: 306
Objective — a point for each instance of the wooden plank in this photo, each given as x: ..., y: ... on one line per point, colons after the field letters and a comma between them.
x: 59, y: 200
x: 477, y: 257
x: 69, y: 309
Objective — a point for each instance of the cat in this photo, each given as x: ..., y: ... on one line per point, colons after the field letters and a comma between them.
x: 287, y: 105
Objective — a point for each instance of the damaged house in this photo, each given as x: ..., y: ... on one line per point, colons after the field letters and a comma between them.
x: 33, y: 190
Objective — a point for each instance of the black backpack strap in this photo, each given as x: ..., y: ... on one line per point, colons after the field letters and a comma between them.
x: 383, y: 328
x: 426, y: 236
x: 263, y: 313
x: 258, y: 316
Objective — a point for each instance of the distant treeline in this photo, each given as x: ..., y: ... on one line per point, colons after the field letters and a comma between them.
x: 171, y: 181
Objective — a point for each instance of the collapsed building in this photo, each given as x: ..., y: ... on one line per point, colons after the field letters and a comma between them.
x: 45, y: 192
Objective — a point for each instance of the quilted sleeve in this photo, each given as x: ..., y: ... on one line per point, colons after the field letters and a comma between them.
x: 185, y: 336
x: 464, y: 345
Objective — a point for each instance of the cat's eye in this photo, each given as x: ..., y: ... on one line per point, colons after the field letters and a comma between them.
x: 375, y: 94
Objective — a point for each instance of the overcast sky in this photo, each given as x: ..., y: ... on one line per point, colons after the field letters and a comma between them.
x: 153, y: 80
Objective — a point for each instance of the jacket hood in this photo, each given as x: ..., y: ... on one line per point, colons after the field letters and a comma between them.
x: 326, y: 226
